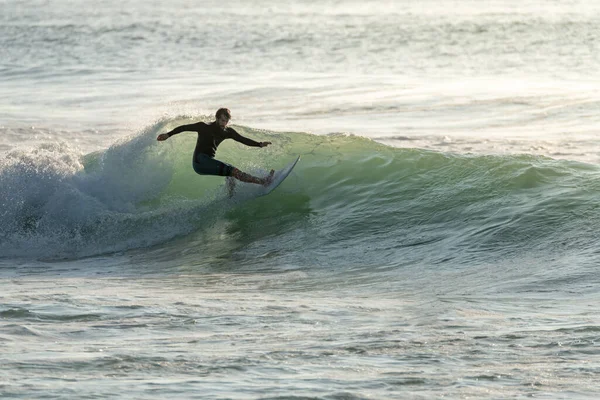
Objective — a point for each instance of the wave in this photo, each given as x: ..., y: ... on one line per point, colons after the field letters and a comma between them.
x: 347, y: 192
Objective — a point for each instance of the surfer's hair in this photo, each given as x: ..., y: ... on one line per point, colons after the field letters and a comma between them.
x: 223, y: 111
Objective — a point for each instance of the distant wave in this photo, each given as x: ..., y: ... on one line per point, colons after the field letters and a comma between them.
x: 139, y: 193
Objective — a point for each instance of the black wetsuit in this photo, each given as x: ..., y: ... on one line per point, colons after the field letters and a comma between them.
x: 210, y: 137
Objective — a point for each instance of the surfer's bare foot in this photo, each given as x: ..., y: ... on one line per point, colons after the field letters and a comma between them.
x: 269, y: 179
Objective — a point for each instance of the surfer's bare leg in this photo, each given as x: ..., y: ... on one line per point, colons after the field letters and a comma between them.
x: 244, y: 177
x: 230, y: 185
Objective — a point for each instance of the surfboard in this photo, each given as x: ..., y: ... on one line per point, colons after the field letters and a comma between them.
x: 278, y: 177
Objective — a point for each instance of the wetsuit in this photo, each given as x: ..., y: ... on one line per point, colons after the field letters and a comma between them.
x: 210, y: 137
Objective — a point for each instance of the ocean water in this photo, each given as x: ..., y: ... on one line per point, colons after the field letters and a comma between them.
x: 438, y: 239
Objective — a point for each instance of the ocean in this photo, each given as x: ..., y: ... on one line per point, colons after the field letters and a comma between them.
x: 438, y: 238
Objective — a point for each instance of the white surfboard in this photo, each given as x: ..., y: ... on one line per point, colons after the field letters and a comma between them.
x: 278, y: 177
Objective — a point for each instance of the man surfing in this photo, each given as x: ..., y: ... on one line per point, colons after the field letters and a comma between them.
x: 209, y: 138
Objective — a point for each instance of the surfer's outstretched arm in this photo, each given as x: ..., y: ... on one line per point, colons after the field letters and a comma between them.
x: 179, y: 129
x: 248, y: 142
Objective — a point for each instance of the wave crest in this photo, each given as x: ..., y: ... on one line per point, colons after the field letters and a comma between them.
x: 140, y: 192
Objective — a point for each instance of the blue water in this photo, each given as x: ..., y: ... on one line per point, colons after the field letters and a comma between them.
x: 437, y: 239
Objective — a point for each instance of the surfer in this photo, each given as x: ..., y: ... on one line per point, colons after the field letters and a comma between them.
x: 209, y: 138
